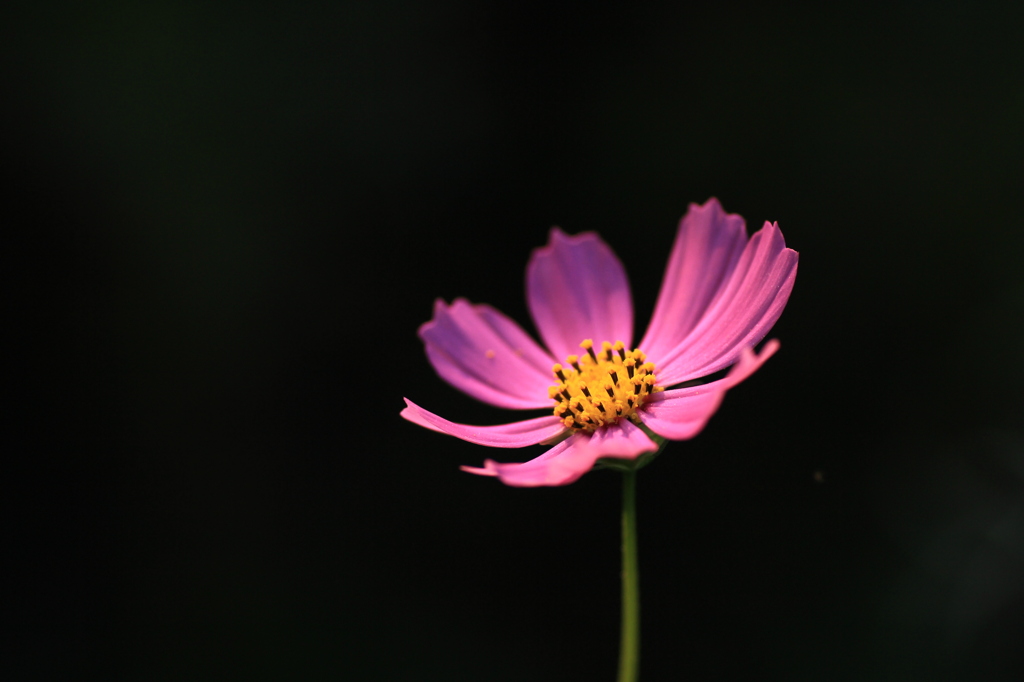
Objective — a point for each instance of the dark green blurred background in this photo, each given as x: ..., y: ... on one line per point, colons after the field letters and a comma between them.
x: 225, y: 224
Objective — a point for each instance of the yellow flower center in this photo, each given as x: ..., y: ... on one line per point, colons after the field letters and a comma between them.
x: 603, y: 387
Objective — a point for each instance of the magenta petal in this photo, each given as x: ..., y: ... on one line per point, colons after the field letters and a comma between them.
x: 571, y: 458
x: 741, y: 315
x: 707, y: 247
x: 624, y: 440
x: 681, y: 413
x: 514, y: 435
x: 485, y: 354
x: 577, y: 289
x: 560, y: 465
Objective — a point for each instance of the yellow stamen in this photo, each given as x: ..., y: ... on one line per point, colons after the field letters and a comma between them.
x: 602, y: 388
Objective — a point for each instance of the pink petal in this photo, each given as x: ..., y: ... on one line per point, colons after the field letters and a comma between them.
x: 577, y: 289
x: 485, y: 354
x: 707, y: 247
x: 624, y: 440
x: 741, y: 315
x: 682, y: 413
x: 514, y: 435
x: 560, y: 465
x: 571, y: 458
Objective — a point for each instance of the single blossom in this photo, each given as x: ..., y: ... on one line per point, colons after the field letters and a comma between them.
x: 721, y: 294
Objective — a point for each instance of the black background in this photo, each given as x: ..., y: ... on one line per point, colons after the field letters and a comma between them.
x: 225, y: 224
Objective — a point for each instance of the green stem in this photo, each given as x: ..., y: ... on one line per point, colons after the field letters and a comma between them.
x: 629, y: 645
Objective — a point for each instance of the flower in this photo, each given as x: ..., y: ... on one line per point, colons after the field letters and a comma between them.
x: 721, y: 294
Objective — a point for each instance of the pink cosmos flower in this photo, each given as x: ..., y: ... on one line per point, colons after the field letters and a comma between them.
x: 721, y: 294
